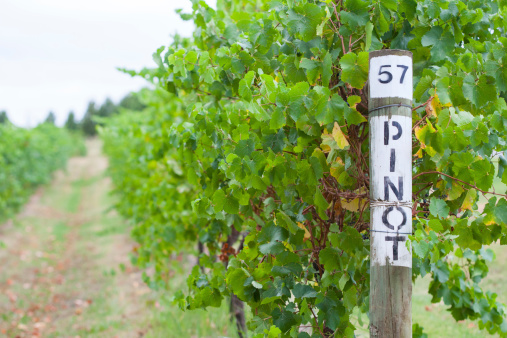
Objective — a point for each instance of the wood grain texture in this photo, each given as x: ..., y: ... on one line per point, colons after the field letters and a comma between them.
x: 390, y: 301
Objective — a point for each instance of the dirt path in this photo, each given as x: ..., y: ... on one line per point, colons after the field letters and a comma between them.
x: 64, y: 264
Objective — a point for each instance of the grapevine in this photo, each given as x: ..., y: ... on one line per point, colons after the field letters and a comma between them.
x: 254, y: 143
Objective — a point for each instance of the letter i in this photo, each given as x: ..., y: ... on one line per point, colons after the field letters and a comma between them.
x: 393, y: 160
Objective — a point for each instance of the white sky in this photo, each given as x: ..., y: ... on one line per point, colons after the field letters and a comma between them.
x: 59, y: 54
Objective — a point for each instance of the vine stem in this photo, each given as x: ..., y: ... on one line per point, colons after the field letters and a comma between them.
x: 424, y: 117
x: 315, y: 318
x: 423, y: 104
x: 339, y: 25
x: 419, y: 122
x: 456, y: 179
x: 353, y: 43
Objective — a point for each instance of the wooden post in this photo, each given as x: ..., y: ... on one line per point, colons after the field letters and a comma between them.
x: 390, y: 122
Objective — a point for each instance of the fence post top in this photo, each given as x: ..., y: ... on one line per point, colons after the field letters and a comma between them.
x: 383, y: 52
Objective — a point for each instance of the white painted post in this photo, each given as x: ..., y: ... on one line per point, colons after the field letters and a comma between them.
x: 390, y: 119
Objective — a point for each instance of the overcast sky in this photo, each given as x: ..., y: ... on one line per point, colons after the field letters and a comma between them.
x: 58, y: 54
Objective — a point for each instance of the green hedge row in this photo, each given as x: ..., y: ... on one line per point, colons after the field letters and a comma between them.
x: 28, y: 157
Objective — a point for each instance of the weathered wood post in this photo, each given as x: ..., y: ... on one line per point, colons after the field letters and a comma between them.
x: 390, y: 121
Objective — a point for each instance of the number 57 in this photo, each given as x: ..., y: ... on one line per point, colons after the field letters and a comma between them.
x: 389, y: 75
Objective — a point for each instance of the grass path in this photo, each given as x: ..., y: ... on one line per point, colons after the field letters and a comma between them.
x: 60, y: 272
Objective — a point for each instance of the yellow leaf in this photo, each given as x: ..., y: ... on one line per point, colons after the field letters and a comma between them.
x: 353, y: 100
x: 339, y: 137
x: 455, y: 192
x: 434, y: 107
x: 307, y: 233
x: 288, y: 246
x: 422, y: 134
x: 322, y: 158
x: 152, y: 165
x: 489, y: 220
x: 440, y: 185
x: 326, y: 141
x: 419, y: 134
x: 430, y: 126
x: 469, y: 200
x: 430, y: 151
x: 353, y: 205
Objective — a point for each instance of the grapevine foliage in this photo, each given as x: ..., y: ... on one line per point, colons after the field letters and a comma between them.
x: 255, y: 144
x: 28, y: 158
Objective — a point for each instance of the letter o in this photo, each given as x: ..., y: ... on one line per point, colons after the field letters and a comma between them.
x: 386, y: 222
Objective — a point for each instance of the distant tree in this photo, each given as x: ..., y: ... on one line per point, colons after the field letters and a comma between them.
x: 51, y: 118
x: 88, y: 125
x: 108, y: 108
x: 4, y: 119
x: 71, y: 123
x: 131, y: 102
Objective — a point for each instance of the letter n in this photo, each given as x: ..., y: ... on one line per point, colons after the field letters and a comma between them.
x: 398, y: 192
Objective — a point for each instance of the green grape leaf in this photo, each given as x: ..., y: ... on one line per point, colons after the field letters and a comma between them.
x: 317, y: 167
x: 304, y: 291
x: 442, y: 43
x: 479, y: 91
x: 330, y: 258
x: 421, y: 248
x: 355, y: 69
x: 231, y: 205
x: 244, y: 90
x: 275, y: 142
x: 439, y: 208
x: 284, y: 320
x: 219, y: 200
x: 350, y: 297
x: 303, y: 20
x: 245, y: 147
x: 327, y: 70
x: 466, y: 237
x: 284, y: 219
x: 321, y: 204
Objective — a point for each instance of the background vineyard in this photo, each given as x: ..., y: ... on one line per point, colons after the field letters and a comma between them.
x: 242, y: 174
x: 28, y: 159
